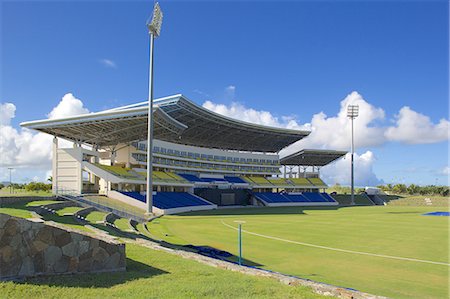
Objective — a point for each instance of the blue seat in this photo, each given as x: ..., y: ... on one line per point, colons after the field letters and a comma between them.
x: 235, y: 179
x: 270, y: 197
x: 170, y: 200
x: 190, y: 177
x: 314, y: 197
x: 328, y: 197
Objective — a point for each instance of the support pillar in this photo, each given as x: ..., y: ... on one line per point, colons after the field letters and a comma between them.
x: 55, y: 166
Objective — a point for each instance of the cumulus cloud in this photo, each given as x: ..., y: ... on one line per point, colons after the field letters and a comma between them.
x: 23, y: 148
x: 338, y: 172
x: 108, y: 63
x: 239, y: 111
x: 7, y: 112
x: 68, y: 106
x: 445, y: 171
x: 413, y: 128
x: 334, y: 132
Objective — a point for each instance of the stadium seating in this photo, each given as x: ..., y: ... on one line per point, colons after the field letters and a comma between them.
x: 278, y: 181
x: 317, y: 182
x: 328, y: 197
x: 235, y: 180
x: 119, y: 171
x: 314, y: 197
x: 300, y: 182
x: 170, y: 200
x: 257, y: 180
x: 270, y: 197
x: 190, y: 177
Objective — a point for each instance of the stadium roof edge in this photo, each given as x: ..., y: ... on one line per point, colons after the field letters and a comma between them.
x: 312, y: 157
x: 177, y: 119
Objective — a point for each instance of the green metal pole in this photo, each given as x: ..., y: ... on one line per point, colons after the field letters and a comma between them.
x: 240, y: 244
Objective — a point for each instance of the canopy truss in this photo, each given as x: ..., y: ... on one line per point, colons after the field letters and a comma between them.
x: 177, y: 120
x: 312, y: 157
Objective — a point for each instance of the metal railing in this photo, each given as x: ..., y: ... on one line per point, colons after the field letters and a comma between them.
x: 104, y: 204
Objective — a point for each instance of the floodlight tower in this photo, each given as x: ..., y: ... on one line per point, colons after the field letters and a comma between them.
x: 10, y: 179
x: 154, y: 29
x: 352, y: 113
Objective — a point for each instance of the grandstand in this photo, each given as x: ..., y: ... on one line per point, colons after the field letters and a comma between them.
x: 201, y: 160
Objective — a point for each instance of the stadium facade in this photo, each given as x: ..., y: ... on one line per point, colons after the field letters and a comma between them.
x: 201, y: 159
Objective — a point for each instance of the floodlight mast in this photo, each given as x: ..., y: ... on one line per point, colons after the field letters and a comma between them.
x: 352, y: 113
x: 154, y: 29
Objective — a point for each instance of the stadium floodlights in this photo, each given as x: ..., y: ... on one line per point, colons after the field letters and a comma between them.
x: 154, y: 27
x: 352, y: 111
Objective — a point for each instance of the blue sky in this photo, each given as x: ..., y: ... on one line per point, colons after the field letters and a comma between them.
x: 294, y: 59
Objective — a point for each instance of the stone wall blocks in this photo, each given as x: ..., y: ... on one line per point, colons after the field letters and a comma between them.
x: 33, y: 248
x: 3, y: 219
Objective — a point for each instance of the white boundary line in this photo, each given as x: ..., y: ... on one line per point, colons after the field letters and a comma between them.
x: 338, y: 249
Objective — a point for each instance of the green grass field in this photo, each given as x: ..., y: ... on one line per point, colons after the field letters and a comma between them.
x: 395, y: 231
x: 155, y: 274
x: 149, y: 274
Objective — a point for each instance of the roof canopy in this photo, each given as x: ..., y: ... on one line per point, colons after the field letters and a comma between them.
x: 310, y: 157
x: 177, y: 120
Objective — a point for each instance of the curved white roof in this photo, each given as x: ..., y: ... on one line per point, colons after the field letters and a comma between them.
x: 177, y: 120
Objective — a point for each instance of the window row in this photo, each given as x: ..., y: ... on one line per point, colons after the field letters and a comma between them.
x: 198, y: 156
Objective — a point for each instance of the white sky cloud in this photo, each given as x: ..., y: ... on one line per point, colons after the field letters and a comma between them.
x: 108, y: 63
x: 23, y: 148
x: 333, y: 132
x: 68, y: 106
x: 339, y: 172
x: 415, y: 128
x: 445, y: 170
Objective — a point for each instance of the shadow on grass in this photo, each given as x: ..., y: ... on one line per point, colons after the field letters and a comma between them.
x: 202, y: 249
x: 261, y: 211
x: 68, y: 220
x: 135, y: 270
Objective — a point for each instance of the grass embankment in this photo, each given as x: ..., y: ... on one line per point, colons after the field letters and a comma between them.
x: 150, y: 274
x: 116, y: 204
x: 96, y: 216
x: 383, y: 230
x: 155, y: 274
x: 122, y: 224
x: 23, y: 209
x: 416, y: 200
x: 7, y: 192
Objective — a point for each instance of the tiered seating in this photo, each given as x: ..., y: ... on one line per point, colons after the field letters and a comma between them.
x: 168, y: 177
x: 328, y: 197
x: 280, y: 198
x: 314, y: 197
x: 235, y: 180
x: 317, y: 182
x: 190, y: 177
x: 279, y: 181
x: 257, y: 180
x: 213, y: 180
x: 118, y: 171
x: 270, y: 197
x: 300, y: 182
x: 170, y: 200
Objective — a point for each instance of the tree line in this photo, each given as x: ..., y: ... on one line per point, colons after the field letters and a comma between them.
x: 415, y: 189
x: 33, y: 186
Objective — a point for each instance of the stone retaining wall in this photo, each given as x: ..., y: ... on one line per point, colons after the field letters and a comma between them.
x: 7, y: 200
x: 29, y: 248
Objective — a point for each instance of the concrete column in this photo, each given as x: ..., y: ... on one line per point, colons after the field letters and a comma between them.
x: 128, y: 163
x: 113, y: 157
x: 55, y: 166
